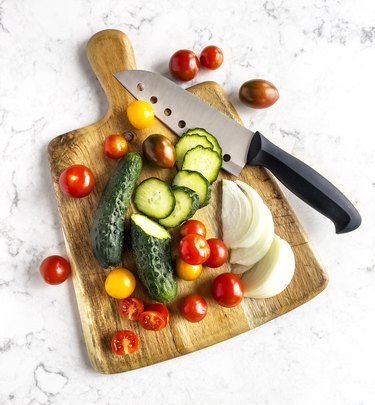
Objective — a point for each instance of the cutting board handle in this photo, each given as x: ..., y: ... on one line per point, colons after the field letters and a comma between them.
x: 108, y: 52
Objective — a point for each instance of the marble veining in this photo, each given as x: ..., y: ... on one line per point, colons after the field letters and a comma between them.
x: 321, y: 56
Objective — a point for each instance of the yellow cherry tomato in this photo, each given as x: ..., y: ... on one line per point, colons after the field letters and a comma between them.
x: 120, y: 283
x: 140, y: 114
x: 188, y: 271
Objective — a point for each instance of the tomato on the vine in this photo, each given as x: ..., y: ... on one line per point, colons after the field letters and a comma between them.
x: 184, y: 65
x: 152, y: 320
x: 194, y: 308
x: 77, y: 181
x: 193, y: 226
x: 186, y: 271
x: 55, y: 269
x: 218, y: 253
x: 140, y: 114
x: 130, y: 308
x: 194, y: 249
x: 124, y: 342
x: 228, y: 290
x: 115, y: 146
x: 120, y: 283
x: 211, y: 57
x: 161, y: 308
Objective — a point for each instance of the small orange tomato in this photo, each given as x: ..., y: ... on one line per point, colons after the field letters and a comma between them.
x: 140, y: 114
x: 120, y: 283
x: 115, y: 146
x: 186, y: 271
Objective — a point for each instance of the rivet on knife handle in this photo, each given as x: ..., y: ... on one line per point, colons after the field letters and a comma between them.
x: 305, y: 182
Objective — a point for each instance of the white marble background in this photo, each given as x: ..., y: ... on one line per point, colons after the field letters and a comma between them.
x: 321, y: 55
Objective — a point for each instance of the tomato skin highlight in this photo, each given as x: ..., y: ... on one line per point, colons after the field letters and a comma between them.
x: 161, y: 308
x: 120, y: 283
x: 211, y: 57
x: 152, y: 320
x: 159, y: 150
x: 194, y: 249
x: 54, y: 269
x: 130, y: 308
x: 258, y: 93
x: 115, y: 146
x: 194, y: 308
x: 193, y: 226
x: 140, y: 114
x: 76, y: 181
x: 186, y: 271
x: 124, y: 342
x: 227, y: 290
x: 218, y: 253
x: 184, y: 65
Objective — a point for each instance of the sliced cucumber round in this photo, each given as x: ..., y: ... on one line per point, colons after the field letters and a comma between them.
x: 187, y: 202
x: 154, y: 198
x: 210, y: 137
x: 203, y: 160
x: 196, y: 182
x: 189, y: 142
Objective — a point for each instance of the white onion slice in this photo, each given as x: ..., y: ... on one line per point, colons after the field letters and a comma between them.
x: 255, y: 228
x: 250, y: 255
x: 236, y: 213
x: 271, y: 275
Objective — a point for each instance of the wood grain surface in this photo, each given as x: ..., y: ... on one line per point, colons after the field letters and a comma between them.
x: 108, y: 52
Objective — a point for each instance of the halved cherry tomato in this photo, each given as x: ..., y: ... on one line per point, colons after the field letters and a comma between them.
x: 218, y: 253
x: 130, y: 308
x: 159, y: 150
x: 54, y: 269
x: 77, y: 181
x: 140, y: 114
x: 184, y: 65
x: 227, y: 290
x: 187, y: 271
x: 161, y: 308
x: 120, y: 283
x: 194, y: 308
x: 152, y: 320
x: 124, y: 342
x: 115, y: 146
x: 193, y: 226
x: 211, y: 57
x: 194, y: 249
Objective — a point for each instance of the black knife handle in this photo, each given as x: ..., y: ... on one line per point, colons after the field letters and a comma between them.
x: 305, y: 182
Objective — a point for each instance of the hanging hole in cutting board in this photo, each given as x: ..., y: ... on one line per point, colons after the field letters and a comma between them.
x: 128, y: 135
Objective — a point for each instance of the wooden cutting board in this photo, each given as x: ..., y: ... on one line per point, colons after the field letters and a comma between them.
x: 110, y: 51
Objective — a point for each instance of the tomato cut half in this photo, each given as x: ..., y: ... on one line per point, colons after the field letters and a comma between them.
x: 130, y: 308
x: 124, y: 342
x: 152, y: 320
x: 161, y: 308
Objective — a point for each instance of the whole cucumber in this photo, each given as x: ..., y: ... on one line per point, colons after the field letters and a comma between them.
x: 107, y: 232
x: 151, y: 244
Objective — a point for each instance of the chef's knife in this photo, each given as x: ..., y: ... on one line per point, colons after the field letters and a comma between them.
x: 181, y: 110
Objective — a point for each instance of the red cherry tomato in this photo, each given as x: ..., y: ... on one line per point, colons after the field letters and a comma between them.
x: 115, y: 146
x: 77, y: 181
x: 124, y: 342
x: 184, y: 65
x: 54, y: 269
x: 130, y: 308
x: 211, y: 57
x: 152, y: 320
x: 194, y: 249
x: 194, y: 308
x: 193, y: 226
x: 218, y: 253
x: 227, y: 290
x: 161, y: 308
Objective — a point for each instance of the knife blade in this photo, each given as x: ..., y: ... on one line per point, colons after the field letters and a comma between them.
x: 180, y: 110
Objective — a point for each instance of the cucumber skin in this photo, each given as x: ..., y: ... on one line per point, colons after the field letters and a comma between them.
x: 154, y: 264
x: 107, y: 231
